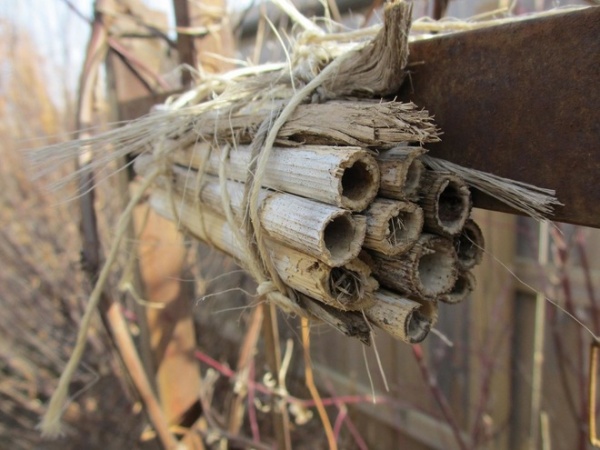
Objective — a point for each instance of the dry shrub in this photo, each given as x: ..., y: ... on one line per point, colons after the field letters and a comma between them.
x: 42, y: 289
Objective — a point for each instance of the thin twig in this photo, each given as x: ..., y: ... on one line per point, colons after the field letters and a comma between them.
x: 564, y: 361
x: 130, y: 60
x: 587, y: 273
x: 561, y: 255
x: 260, y: 387
x: 310, y: 384
x: 344, y: 418
x: 273, y: 356
x: 245, y: 362
x: 251, y: 407
x: 439, y: 396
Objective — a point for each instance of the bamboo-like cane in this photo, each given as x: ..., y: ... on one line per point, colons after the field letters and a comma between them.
x: 349, y: 287
x: 392, y: 226
x: 469, y: 245
x: 427, y: 270
x: 347, y: 177
x: 464, y: 285
x: 401, y: 172
x: 329, y: 233
x: 446, y: 202
x: 350, y: 323
x: 404, y: 319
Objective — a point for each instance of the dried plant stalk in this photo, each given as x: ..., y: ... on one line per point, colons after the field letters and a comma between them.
x: 349, y: 287
x: 326, y: 232
x: 469, y: 245
x: 404, y: 319
x: 427, y: 270
x: 347, y: 177
x: 464, y: 285
x: 377, y: 69
x: 401, y: 172
x: 392, y: 226
x: 446, y: 202
x: 350, y: 323
x: 366, y: 124
x: 531, y: 200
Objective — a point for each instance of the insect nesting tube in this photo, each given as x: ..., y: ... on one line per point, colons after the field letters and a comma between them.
x: 403, y: 318
x: 347, y: 177
x: 446, y: 202
x: 351, y: 286
x: 463, y: 286
x: 427, y: 270
x: 469, y: 245
x: 330, y: 234
x: 392, y: 226
x: 342, y: 236
x: 360, y: 182
x: 401, y: 171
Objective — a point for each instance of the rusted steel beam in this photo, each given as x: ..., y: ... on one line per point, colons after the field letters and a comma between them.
x: 521, y: 100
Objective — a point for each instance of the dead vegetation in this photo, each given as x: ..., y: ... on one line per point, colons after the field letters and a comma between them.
x: 43, y: 302
x: 43, y: 290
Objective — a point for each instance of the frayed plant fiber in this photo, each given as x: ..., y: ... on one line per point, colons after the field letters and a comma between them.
x: 531, y: 200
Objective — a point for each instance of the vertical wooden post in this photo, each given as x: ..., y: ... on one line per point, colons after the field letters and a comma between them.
x: 170, y: 335
x: 196, y: 52
x: 162, y: 257
x: 490, y: 324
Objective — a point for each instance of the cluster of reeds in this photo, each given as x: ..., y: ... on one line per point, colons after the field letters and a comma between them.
x: 356, y: 232
x: 320, y: 194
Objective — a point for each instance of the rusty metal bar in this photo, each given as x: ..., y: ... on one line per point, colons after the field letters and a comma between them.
x: 521, y: 100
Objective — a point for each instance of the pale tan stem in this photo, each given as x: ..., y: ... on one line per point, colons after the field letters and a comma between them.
x: 366, y: 123
x: 401, y: 172
x: 312, y: 388
x: 405, y: 319
x: 331, y: 234
x: 469, y: 245
x: 446, y: 202
x: 347, y: 177
x: 392, y: 226
x: 136, y: 371
x: 427, y: 270
x: 349, y: 287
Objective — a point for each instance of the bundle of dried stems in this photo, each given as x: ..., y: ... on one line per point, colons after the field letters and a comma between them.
x: 317, y: 185
x: 341, y: 205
